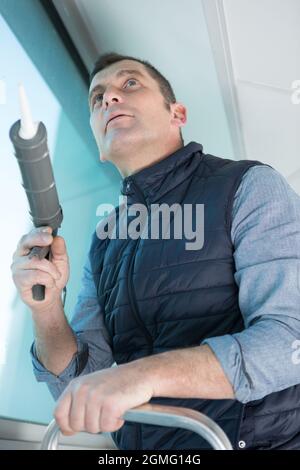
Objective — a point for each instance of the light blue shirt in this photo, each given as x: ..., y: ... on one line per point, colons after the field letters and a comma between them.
x: 266, y: 238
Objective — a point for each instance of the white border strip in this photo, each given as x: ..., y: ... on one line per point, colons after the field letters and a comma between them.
x: 218, y: 34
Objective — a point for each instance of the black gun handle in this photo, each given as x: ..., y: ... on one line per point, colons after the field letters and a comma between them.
x: 38, y: 290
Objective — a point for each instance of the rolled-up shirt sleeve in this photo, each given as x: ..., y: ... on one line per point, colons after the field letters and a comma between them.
x: 266, y: 237
x: 93, y: 343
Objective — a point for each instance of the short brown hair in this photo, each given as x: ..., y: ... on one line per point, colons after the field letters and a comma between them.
x: 165, y: 88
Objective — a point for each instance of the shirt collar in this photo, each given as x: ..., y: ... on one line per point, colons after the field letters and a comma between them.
x: 163, y: 175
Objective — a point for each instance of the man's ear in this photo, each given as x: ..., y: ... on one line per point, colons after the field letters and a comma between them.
x: 179, y: 114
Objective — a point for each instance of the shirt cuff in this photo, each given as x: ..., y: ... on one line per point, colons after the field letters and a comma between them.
x: 73, y: 369
x: 229, y: 353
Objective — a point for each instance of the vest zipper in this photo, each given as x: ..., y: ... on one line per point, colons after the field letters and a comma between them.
x: 130, y: 286
x: 239, y: 427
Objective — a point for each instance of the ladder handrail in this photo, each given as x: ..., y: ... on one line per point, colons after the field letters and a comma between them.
x: 160, y: 415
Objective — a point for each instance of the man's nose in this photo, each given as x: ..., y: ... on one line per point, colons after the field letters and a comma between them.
x: 111, y: 100
x: 112, y: 95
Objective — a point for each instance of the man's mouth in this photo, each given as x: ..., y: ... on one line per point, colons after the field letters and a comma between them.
x: 117, y: 117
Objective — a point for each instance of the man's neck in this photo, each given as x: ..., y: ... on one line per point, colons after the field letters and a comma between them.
x: 137, y: 165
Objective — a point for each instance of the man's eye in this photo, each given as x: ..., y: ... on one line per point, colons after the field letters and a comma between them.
x: 131, y: 80
x: 95, y: 99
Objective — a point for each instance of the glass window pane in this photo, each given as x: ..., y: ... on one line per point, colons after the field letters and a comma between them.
x: 81, y: 182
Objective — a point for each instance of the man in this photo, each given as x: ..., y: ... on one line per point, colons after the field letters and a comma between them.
x: 212, y: 329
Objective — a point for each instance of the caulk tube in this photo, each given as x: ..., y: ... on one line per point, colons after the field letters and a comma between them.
x: 31, y: 150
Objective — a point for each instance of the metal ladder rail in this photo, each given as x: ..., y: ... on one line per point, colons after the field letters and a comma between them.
x: 160, y: 415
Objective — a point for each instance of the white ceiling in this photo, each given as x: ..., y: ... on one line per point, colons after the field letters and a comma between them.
x: 231, y: 62
x: 264, y: 39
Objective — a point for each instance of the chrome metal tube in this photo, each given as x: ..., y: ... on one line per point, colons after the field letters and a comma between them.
x: 173, y: 416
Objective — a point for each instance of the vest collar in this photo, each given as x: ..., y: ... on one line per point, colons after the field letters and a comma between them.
x: 159, y: 178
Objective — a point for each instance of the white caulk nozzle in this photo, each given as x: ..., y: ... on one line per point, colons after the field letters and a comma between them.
x: 28, y: 128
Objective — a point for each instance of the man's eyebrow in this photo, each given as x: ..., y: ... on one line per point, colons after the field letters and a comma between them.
x: 120, y: 73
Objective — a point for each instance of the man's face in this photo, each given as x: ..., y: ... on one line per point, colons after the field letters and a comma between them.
x: 137, y: 96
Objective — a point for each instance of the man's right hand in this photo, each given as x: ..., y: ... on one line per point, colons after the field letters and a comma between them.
x: 53, y: 273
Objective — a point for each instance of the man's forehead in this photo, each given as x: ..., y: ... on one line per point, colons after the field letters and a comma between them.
x: 109, y: 72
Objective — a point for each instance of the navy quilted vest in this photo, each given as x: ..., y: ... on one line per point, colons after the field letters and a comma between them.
x: 157, y: 296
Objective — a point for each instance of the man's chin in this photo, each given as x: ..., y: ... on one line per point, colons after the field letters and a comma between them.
x: 121, y: 144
